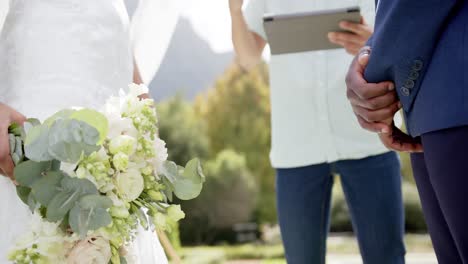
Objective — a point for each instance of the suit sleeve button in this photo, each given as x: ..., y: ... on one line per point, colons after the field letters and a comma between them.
x: 414, y: 75
x: 405, y: 91
x: 409, y: 84
x: 418, y: 65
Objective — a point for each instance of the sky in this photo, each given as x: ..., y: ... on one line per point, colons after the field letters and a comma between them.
x: 211, y: 20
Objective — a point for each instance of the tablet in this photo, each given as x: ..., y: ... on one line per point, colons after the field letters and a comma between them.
x: 300, y: 32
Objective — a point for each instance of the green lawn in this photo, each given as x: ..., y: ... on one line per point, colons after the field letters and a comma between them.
x: 274, y: 254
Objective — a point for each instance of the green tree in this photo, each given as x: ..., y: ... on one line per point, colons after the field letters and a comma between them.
x: 237, y: 116
x: 182, y: 130
x: 228, y: 198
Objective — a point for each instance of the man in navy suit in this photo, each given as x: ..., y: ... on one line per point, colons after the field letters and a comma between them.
x: 420, y: 51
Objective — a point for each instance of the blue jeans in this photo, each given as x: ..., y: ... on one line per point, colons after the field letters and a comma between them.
x: 372, y: 188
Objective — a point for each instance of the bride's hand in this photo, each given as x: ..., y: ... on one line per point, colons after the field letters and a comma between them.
x: 7, y: 116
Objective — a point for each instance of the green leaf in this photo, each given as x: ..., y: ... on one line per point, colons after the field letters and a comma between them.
x: 94, y: 119
x: 141, y: 216
x: 170, y: 171
x: 36, y: 144
x: 33, y: 121
x: 23, y: 193
x: 123, y: 260
x: 30, y: 171
x: 90, y: 213
x: 64, y: 114
x: 19, y: 149
x: 47, y: 187
x: 169, y: 190
x: 69, y: 139
x: 15, y: 129
x: 32, y: 203
x: 189, y: 184
x: 12, y: 141
x: 72, y: 190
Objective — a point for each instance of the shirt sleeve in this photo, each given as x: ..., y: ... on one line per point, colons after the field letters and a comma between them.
x: 253, y: 14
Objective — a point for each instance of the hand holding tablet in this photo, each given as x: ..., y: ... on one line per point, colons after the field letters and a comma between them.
x: 322, y: 30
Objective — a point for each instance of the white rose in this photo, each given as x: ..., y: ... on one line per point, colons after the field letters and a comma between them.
x: 123, y: 143
x: 120, y: 126
x: 129, y: 184
x: 120, y: 161
x: 93, y: 250
x: 161, y: 153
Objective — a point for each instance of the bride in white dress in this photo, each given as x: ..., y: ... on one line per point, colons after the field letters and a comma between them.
x: 56, y: 54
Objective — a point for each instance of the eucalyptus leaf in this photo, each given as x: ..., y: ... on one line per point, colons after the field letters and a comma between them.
x: 47, y: 187
x: 19, y: 148
x: 72, y: 190
x: 69, y: 139
x: 63, y: 114
x: 23, y: 193
x: 90, y: 213
x: 29, y: 124
x: 141, y: 216
x: 36, y: 144
x: 169, y: 190
x: 123, y: 260
x: 12, y: 141
x: 32, y: 203
x: 16, y: 159
x: 33, y: 121
x: 28, y: 172
x: 189, y: 184
x: 94, y: 119
x: 170, y: 171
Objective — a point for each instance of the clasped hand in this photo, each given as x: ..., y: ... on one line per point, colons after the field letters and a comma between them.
x: 375, y: 105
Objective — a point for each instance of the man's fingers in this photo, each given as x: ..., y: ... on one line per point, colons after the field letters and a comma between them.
x: 399, y: 141
x: 373, y: 126
x: 377, y: 115
x: 345, y: 37
x: 375, y: 103
x: 356, y: 28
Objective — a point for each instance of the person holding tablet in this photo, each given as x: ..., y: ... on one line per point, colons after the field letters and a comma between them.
x: 315, y: 135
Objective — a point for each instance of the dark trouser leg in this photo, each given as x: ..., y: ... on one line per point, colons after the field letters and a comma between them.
x: 445, y: 154
x: 441, y: 238
x: 303, y: 199
x: 373, y: 191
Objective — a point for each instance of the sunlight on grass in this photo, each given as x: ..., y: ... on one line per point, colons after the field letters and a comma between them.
x: 274, y: 254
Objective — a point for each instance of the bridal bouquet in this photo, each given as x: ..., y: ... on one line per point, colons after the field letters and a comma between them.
x: 90, y: 178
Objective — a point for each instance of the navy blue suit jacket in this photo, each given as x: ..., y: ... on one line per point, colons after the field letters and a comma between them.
x: 422, y: 45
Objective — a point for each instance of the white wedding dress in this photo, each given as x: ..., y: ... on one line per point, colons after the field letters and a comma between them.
x: 56, y: 54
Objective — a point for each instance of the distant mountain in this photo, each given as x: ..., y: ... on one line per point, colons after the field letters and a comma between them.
x: 190, y: 66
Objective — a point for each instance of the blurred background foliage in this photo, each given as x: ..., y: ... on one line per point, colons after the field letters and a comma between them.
x: 229, y: 129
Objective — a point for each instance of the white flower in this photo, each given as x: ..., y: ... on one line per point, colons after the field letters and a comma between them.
x: 120, y: 161
x: 129, y: 184
x: 123, y: 143
x: 93, y: 250
x: 120, y: 126
x: 136, y: 90
x: 161, y: 153
x: 51, y: 244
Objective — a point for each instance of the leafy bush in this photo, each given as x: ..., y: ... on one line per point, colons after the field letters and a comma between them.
x: 183, y: 131
x: 413, y: 211
x: 228, y: 198
x: 414, y: 219
x: 237, y: 115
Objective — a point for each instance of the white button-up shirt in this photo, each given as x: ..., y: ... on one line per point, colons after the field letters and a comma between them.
x: 312, y: 120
